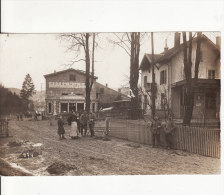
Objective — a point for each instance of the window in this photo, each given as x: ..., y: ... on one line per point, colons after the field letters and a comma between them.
x: 97, y: 95
x: 72, y: 77
x: 49, y: 108
x: 93, y: 107
x: 101, y: 90
x: 211, y: 74
x: 145, y: 81
x: 163, y: 101
x: 163, y: 77
x: 145, y: 102
x: 64, y: 94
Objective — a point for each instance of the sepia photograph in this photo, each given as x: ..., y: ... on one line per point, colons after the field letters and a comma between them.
x: 119, y: 103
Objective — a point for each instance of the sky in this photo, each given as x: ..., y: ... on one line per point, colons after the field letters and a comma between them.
x: 40, y: 54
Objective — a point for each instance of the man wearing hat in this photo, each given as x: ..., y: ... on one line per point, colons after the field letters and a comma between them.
x: 155, y: 130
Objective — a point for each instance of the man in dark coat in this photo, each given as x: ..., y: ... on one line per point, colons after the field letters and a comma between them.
x: 61, y: 130
x: 155, y: 130
x: 92, y: 119
x: 169, y: 129
x: 84, y: 122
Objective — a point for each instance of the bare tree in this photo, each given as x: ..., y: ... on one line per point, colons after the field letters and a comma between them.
x: 190, y: 82
x: 130, y: 43
x: 83, y: 42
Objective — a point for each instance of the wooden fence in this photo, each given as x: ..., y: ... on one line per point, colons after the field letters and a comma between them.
x: 4, y: 130
x: 192, y: 139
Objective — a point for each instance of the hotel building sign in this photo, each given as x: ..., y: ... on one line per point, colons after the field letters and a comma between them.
x: 66, y: 85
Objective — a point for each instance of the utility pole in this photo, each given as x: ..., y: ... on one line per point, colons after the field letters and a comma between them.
x: 153, y: 79
x: 41, y: 87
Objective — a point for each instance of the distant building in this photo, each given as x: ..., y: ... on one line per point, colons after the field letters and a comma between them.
x: 65, y: 91
x: 124, y: 90
x: 169, y: 74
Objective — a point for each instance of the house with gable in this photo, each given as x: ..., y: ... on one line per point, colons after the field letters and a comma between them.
x: 170, y: 79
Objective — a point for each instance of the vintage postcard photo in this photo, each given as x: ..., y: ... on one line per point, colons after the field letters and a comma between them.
x: 87, y: 103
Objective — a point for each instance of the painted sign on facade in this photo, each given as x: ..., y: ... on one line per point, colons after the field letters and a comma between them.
x: 66, y: 85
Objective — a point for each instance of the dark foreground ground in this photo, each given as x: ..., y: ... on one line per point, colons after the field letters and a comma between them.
x: 90, y: 156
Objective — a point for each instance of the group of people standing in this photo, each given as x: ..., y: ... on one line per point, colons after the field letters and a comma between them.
x: 156, y: 127
x: 79, y: 123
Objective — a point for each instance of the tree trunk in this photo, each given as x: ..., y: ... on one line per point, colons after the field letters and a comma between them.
x: 153, y: 80
x: 134, y: 74
x: 87, y: 73
x: 190, y: 83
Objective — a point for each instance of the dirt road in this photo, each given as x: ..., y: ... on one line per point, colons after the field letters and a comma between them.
x: 93, y: 156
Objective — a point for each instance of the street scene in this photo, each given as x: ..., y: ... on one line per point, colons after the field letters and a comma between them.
x: 110, y: 104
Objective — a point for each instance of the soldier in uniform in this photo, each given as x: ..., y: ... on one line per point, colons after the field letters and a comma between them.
x: 61, y: 130
x: 84, y: 123
x: 169, y: 129
x: 92, y: 119
x: 155, y: 130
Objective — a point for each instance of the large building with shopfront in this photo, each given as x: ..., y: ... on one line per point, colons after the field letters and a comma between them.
x: 65, y: 91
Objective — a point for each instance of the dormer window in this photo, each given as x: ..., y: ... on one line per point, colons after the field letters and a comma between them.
x: 72, y: 77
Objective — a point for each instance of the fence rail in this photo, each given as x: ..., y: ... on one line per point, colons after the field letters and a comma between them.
x: 192, y: 139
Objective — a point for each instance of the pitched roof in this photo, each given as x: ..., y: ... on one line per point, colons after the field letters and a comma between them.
x: 166, y: 56
x: 68, y: 70
x: 148, y: 57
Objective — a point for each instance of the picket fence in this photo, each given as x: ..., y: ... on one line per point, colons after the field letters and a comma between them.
x: 4, y: 130
x: 197, y: 140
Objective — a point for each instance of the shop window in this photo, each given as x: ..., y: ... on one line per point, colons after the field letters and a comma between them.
x: 163, y: 77
x: 64, y: 107
x: 211, y: 74
x: 72, y: 77
x: 72, y: 107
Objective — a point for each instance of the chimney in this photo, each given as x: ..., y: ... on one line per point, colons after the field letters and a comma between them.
x: 166, y: 48
x: 218, y: 41
x: 176, y: 39
x: 54, y: 71
x: 106, y: 85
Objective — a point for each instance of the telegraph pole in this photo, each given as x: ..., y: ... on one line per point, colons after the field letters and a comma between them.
x: 153, y: 79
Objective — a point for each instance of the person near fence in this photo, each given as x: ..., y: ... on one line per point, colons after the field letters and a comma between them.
x: 155, y: 129
x: 92, y: 118
x: 61, y: 130
x: 169, y: 129
x: 84, y: 123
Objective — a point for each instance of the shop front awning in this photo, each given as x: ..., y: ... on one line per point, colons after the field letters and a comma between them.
x: 206, y: 83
